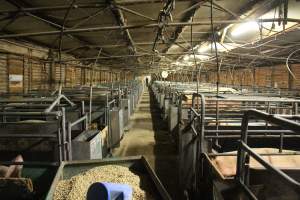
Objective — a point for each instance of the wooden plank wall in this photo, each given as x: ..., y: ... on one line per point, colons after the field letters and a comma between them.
x: 38, y: 75
x: 3, y: 73
x: 269, y: 77
x: 295, y: 83
x: 272, y: 77
x: 15, y: 68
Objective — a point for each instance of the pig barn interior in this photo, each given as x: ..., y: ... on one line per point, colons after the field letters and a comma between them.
x: 150, y: 99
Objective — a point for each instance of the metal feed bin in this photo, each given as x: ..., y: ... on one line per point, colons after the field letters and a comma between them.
x: 116, y: 127
x: 166, y: 107
x: 125, y: 106
x: 187, y: 148
x: 87, y: 145
x: 136, y: 98
x: 131, y: 104
x: 159, y: 99
x: 173, y: 118
x: 137, y: 164
x: 187, y: 161
x: 162, y: 99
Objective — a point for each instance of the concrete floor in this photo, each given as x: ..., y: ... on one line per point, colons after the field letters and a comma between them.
x: 148, y: 136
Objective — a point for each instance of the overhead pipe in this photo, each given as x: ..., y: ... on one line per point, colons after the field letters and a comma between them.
x: 153, y: 25
x: 179, y: 54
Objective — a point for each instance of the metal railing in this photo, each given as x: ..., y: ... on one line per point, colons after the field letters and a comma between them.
x: 58, y: 117
x: 196, y: 126
x: 84, y: 119
x: 244, y: 151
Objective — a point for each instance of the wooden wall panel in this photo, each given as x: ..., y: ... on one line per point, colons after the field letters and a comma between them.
x: 36, y: 80
x: 87, y: 76
x: 78, y: 76
x: 248, y: 79
x: 59, y: 75
x: 3, y: 73
x: 97, y: 77
x: 70, y: 76
x: 203, y: 77
x: 212, y: 77
x: 229, y: 77
x: 39, y: 75
x: 263, y: 76
x: 237, y: 77
x: 223, y: 77
x: 15, y: 73
x: 280, y: 77
x: 26, y: 73
x: 295, y: 83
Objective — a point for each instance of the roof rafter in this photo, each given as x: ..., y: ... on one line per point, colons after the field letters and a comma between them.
x: 119, y: 17
x: 51, y: 22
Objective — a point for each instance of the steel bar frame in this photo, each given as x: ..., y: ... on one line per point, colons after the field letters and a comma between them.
x: 109, y: 28
x: 77, y: 6
x: 59, y: 135
x: 83, y: 119
x: 244, y: 150
x: 229, y: 54
x: 57, y: 101
x: 121, y: 21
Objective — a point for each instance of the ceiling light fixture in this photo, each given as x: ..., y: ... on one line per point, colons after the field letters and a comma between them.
x: 246, y: 27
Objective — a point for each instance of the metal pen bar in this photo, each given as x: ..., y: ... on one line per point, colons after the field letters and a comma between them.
x: 268, y: 166
x: 91, y: 104
x: 69, y: 134
x: 81, y: 119
x: 28, y: 135
x: 27, y: 100
x: 59, y: 145
x: 261, y: 154
x: 250, y: 136
x: 248, y: 191
x: 245, y: 151
x: 275, y: 119
x: 200, y: 142
x: 250, y: 131
x: 57, y: 100
x: 69, y: 141
x: 55, y: 113
x: 64, y: 134
x: 30, y: 163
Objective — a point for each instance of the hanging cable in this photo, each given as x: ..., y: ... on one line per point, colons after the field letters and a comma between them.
x: 162, y: 20
x: 194, y: 56
x: 215, y: 44
x: 61, y: 38
x: 287, y: 63
x: 217, y: 62
x: 93, y: 66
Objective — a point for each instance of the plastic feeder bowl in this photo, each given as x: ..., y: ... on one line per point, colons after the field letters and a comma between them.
x: 109, y: 191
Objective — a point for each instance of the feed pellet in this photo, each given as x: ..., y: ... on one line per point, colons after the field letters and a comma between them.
x: 76, y: 187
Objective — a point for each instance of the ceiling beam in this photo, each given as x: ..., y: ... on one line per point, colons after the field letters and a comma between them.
x: 134, y: 12
x: 291, y: 44
x: 233, y: 14
x: 48, y: 21
x: 187, y: 17
x: 254, y: 9
x: 119, y: 17
x: 80, y: 5
x: 224, y: 54
x: 171, y: 24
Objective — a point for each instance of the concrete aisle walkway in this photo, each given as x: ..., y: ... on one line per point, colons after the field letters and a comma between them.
x: 148, y: 136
